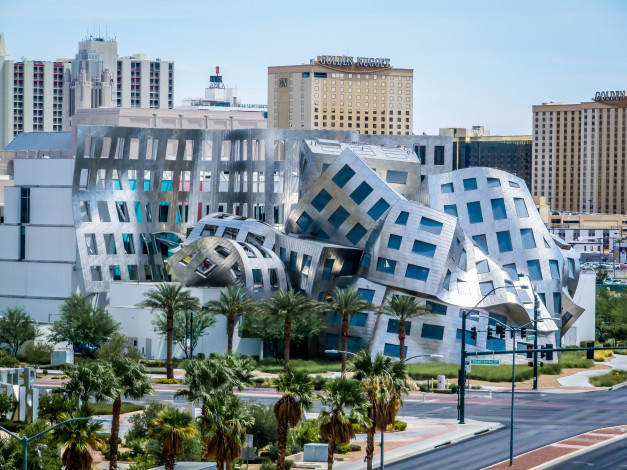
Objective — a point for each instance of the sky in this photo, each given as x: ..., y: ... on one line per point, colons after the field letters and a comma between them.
x: 475, y: 62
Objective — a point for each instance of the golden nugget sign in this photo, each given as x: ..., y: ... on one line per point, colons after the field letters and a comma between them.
x: 348, y: 61
x: 609, y: 95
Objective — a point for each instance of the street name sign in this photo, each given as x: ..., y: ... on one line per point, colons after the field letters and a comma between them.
x: 485, y: 362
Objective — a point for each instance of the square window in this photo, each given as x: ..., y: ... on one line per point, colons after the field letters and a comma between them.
x: 358, y: 319
x: 447, y: 188
x: 333, y: 341
x: 109, y: 239
x: 394, y: 242
x: 361, y: 192
x: 504, y: 240
x: 438, y: 309
x: 498, y: 209
x: 397, y: 177
x: 327, y: 269
x: 96, y: 273
x: 527, y: 238
x: 338, y: 217
x: 513, y: 184
x: 424, y: 249
x: 164, y: 210
x: 521, y: 207
x: 115, y: 272
x: 451, y: 209
x: 483, y: 266
x: 343, y: 176
x: 432, y: 331
x: 402, y: 218
x: 474, y: 212
x: 555, y: 270
x: 356, y: 234
x: 535, y: 273
x: 511, y: 271
x: 469, y: 340
x: 367, y: 294
x: 304, y: 221
x: 429, y: 225
x: 393, y: 350
x: 321, y: 200
x: 417, y: 272
x: 387, y: 266
x: 494, y: 182
x: 378, y: 209
x: 486, y: 287
x: 393, y: 326
x: 470, y: 184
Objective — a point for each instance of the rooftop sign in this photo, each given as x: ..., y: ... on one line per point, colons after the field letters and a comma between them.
x: 348, y: 61
x: 609, y: 95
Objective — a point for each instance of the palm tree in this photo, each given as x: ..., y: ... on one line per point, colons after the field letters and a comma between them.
x: 169, y: 299
x: 224, y: 427
x: 78, y: 439
x: 347, y: 301
x: 336, y: 424
x: 385, y: 382
x: 233, y: 303
x: 90, y: 381
x: 170, y: 428
x: 286, y: 307
x: 404, y: 308
x: 134, y: 384
x: 298, y: 396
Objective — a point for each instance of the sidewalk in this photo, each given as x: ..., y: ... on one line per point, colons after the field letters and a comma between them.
x: 545, y: 457
x: 580, y: 379
x: 421, y: 435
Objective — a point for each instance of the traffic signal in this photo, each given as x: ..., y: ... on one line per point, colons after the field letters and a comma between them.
x: 542, y: 354
x: 590, y: 352
x: 523, y: 332
x: 500, y: 331
x: 490, y: 332
x: 549, y: 354
x: 473, y: 332
x: 512, y: 333
x: 530, y: 364
x: 529, y: 354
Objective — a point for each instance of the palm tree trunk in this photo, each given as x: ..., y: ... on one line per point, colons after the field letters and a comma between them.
x: 344, y: 342
x: 230, y: 328
x: 370, y: 447
x: 169, y: 370
x: 401, y: 338
x: 169, y: 462
x: 287, y: 334
x: 282, y: 444
x: 219, y: 464
x: 115, y: 430
x: 330, y: 453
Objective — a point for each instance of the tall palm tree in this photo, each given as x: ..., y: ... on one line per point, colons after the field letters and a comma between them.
x: 90, y: 381
x: 233, y: 303
x: 336, y: 424
x: 404, y: 308
x: 298, y: 396
x: 287, y: 307
x: 347, y: 301
x: 134, y: 384
x: 169, y: 299
x: 171, y: 427
x: 385, y: 382
x: 78, y: 439
x: 224, y: 427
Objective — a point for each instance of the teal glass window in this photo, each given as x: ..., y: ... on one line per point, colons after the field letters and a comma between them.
x: 528, y: 239
x: 475, y: 215
x: 511, y: 270
x: 498, y: 209
x: 338, y: 217
x: 397, y: 177
x: 424, y: 249
x: 417, y: 272
x: 358, y: 319
x: 447, y: 280
x: 402, y: 218
x: 486, y: 287
x: 367, y: 294
x: 361, y: 192
x: 393, y: 350
x: 343, y: 176
x: 385, y: 265
x: 535, y: 273
x: 481, y: 242
x: 451, y: 209
x: 321, y: 200
x: 429, y: 225
x: 494, y: 182
x: 333, y: 341
x: 432, y: 331
x: 555, y: 270
x: 504, y: 240
x: 304, y: 221
x: 353, y: 344
x: 328, y: 267
x: 394, y: 242
x: 356, y: 233
x: 513, y: 184
x: 557, y: 303
x: 378, y: 209
x: 393, y: 326
x: 521, y: 207
x: 447, y: 188
x: 470, y: 184
x: 469, y: 340
x: 483, y: 266
x: 438, y: 309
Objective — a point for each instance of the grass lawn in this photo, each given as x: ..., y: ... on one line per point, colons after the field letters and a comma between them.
x: 107, y: 408
x: 310, y: 366
x: 610, y: 379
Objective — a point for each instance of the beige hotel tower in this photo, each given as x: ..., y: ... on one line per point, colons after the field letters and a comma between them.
x: 363, y: 94
x: 579, y: 159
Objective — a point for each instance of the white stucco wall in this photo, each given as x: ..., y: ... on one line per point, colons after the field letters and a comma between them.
x: 585, y: 296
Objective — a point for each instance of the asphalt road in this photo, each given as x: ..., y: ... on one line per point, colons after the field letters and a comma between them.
x: 608, y: 457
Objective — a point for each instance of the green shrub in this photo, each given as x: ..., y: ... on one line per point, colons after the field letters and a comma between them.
x: 9, y: 361
x: 399, y: 425
x: 7, y: 404
x: 167, y: 381
x: 306, y: 432
x: 38, y: 353
x: 610, y: 379
x: 267, y: 465
x: 319, y: 381
x: 575, y: 360
x: 346, y: 448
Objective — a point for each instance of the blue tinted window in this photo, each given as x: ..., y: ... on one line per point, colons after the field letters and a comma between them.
x: 393, y: 350
x: 438, y: 309
x: 542, y: 297
x: 138, y: 211
x: 293, y: 260
x: 424, y: 249
x: 417, y: 272
x: 462, y: 261
x: 486, y: 287
x: 474, y: 212
x: 481, y: 242
x: 447, y: 188
x: 393, y: 326
x: 429, y: 225
x: 354, y: 343
x: 555, y: 270
x: 367, y: 294
x: 398, y: 177
x: 447, y: 280
x: 535, y: 273
x: 527, y: 238
x: 328, y: 267
x: 166, y: 185
x: 386, y: 265
x: 282, y: 254
x: 432, y: 331
x: 511, y: 270
x: 483, y: 266
x: 319, y: 233
x: 338, y: 217
x: 494, y: 182
x: 378, y: 209
x: 325, y: 166
x: 498, y: 209
x: 521, y: 207
x: 557, y: 303
x: 333, y: 341
x: 356, y: 234
x: 394, y: 242
x: 504, y: 240
x: 451, y: 210
x: 347, y: 267
x: 304, y: 221
x: 469, y: 340
x: 571, y: 266
x: 321, y: 200
x: 333, y: 317
x: 513, y: 184
x: 470, y: 184
x: 361, y: 192
x: 495, y: 344
x: 497, y: 317
x: 402, y: 218
x: 343, y: 176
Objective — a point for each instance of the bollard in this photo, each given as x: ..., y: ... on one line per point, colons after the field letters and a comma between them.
x: 424, y: 397
x: 489, y: 393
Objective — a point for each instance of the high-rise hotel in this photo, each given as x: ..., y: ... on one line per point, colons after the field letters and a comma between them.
x: 579, y: 160
x: 342, y: 93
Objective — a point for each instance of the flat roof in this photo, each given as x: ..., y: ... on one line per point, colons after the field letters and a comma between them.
x: 41, y: 141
